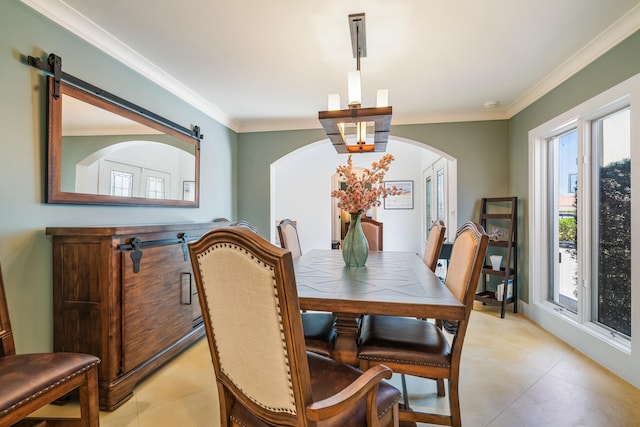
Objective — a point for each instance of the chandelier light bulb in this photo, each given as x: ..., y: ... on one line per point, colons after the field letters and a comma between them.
x: 334, y: 102
x: 382, y: 98
x: 355, y: 94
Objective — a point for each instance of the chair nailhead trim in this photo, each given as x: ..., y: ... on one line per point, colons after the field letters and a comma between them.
x: 51, y: 387
x: 406, y: 362
x: 388, y: 408
x: 237, y: 421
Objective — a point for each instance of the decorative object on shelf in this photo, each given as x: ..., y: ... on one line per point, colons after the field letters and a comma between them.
x: 496, y: 260
x: 356, y: 129
x: 496, y: 233
x: 361, y: 193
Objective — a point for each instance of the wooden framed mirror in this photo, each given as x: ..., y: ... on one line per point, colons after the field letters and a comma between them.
x: 103, y: 153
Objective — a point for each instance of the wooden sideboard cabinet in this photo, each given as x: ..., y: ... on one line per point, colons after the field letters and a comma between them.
x: 127, y: 295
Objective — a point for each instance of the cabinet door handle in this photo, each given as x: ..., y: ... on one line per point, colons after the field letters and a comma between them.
x: 186, y: 287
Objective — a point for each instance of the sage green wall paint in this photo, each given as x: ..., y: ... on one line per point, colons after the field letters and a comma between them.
x: 25, y: 251
x: 482, y: 150
x: 256, y: 152
x: 615, y: 66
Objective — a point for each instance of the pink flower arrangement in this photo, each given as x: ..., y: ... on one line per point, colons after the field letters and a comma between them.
x: 364, y: 191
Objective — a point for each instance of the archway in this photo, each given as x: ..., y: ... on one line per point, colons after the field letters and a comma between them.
x: 301, y: 183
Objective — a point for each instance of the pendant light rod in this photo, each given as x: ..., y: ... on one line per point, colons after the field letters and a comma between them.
x: 358, y: 36
x: 358, y: 48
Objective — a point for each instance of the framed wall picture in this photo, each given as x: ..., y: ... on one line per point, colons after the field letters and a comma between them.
x: 189, y: 190
x: 403, y: 200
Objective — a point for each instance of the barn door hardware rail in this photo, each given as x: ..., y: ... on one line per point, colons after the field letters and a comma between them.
x: 136, y: 245
x: 53, y: 67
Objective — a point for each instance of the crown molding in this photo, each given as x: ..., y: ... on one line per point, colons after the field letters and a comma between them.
x: 610, y: 37
x: 72, y: 20
x: 67, y: 17
x: 398, y: 119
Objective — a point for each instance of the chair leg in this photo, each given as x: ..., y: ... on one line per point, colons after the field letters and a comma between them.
x: 89, y: 406
x: 440, y: 385
x: 454, y: 402
x: 405, y: 393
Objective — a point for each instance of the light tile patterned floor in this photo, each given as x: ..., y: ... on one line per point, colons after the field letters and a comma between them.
x: 513, y: 374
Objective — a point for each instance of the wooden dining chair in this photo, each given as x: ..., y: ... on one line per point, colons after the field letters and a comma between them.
x: 434, y: 244
x: 289, y: 239
x: 29, y: 382
x: 264, y: 374
x: 319, y: 332
x: 244, y: 224
x: 430, y: 257
x: 416, y: 347
x: 373, y: 231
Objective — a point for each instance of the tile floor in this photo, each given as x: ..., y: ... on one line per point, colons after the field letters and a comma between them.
x: 513, y: 374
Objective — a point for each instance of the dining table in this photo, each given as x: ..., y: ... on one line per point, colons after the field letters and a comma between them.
x: 391, y: 283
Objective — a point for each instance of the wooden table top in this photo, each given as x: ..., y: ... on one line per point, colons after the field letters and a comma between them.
x: 393, y: 283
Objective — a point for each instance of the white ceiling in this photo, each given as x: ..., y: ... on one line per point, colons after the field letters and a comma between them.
x: 269, y: 65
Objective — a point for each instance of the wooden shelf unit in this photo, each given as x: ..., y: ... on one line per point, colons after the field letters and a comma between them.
x: 500, y: 212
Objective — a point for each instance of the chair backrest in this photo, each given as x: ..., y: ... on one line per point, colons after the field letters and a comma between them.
x: 434, y: 244
x: 463, y: 272
x: 252, y: 319
x: 288, y: 234
x: 465, y: 264
x: 373, y: 231
x: 7, y: 345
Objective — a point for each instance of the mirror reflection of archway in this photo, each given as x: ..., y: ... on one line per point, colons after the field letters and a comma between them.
x: 132, y: 169
x: 301, y: 183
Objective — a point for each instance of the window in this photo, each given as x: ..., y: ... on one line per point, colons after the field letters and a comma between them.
x: 612, y: 221
x: 606, y: 224
x: 440, y: 200
x: 563, y: 166
x: 428, y: 187
x: 581, y: 227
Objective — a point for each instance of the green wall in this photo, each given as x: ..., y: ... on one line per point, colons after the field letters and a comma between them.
x: 615, y: 66
x: 25, y: 251
x: 482, y: 150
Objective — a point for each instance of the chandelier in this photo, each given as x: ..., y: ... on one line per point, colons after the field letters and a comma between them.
x: 357, y: 129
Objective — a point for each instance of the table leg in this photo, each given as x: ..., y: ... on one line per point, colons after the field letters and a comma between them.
x: 346, y: 348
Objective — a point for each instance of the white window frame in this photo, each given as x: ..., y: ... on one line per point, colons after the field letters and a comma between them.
x: 612, y: 351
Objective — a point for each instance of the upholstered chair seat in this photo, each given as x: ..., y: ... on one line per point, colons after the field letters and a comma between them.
x: 29, y: 382
x: 421, y: 343
x: 319, y: 332
x: 52, y: 370
x: 328, y: 378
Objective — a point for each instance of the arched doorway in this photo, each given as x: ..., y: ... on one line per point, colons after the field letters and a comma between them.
x: 301, y: 183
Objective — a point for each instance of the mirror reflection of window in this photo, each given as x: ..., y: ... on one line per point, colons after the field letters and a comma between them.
x: 155, y: 188
x: 121, y: 184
